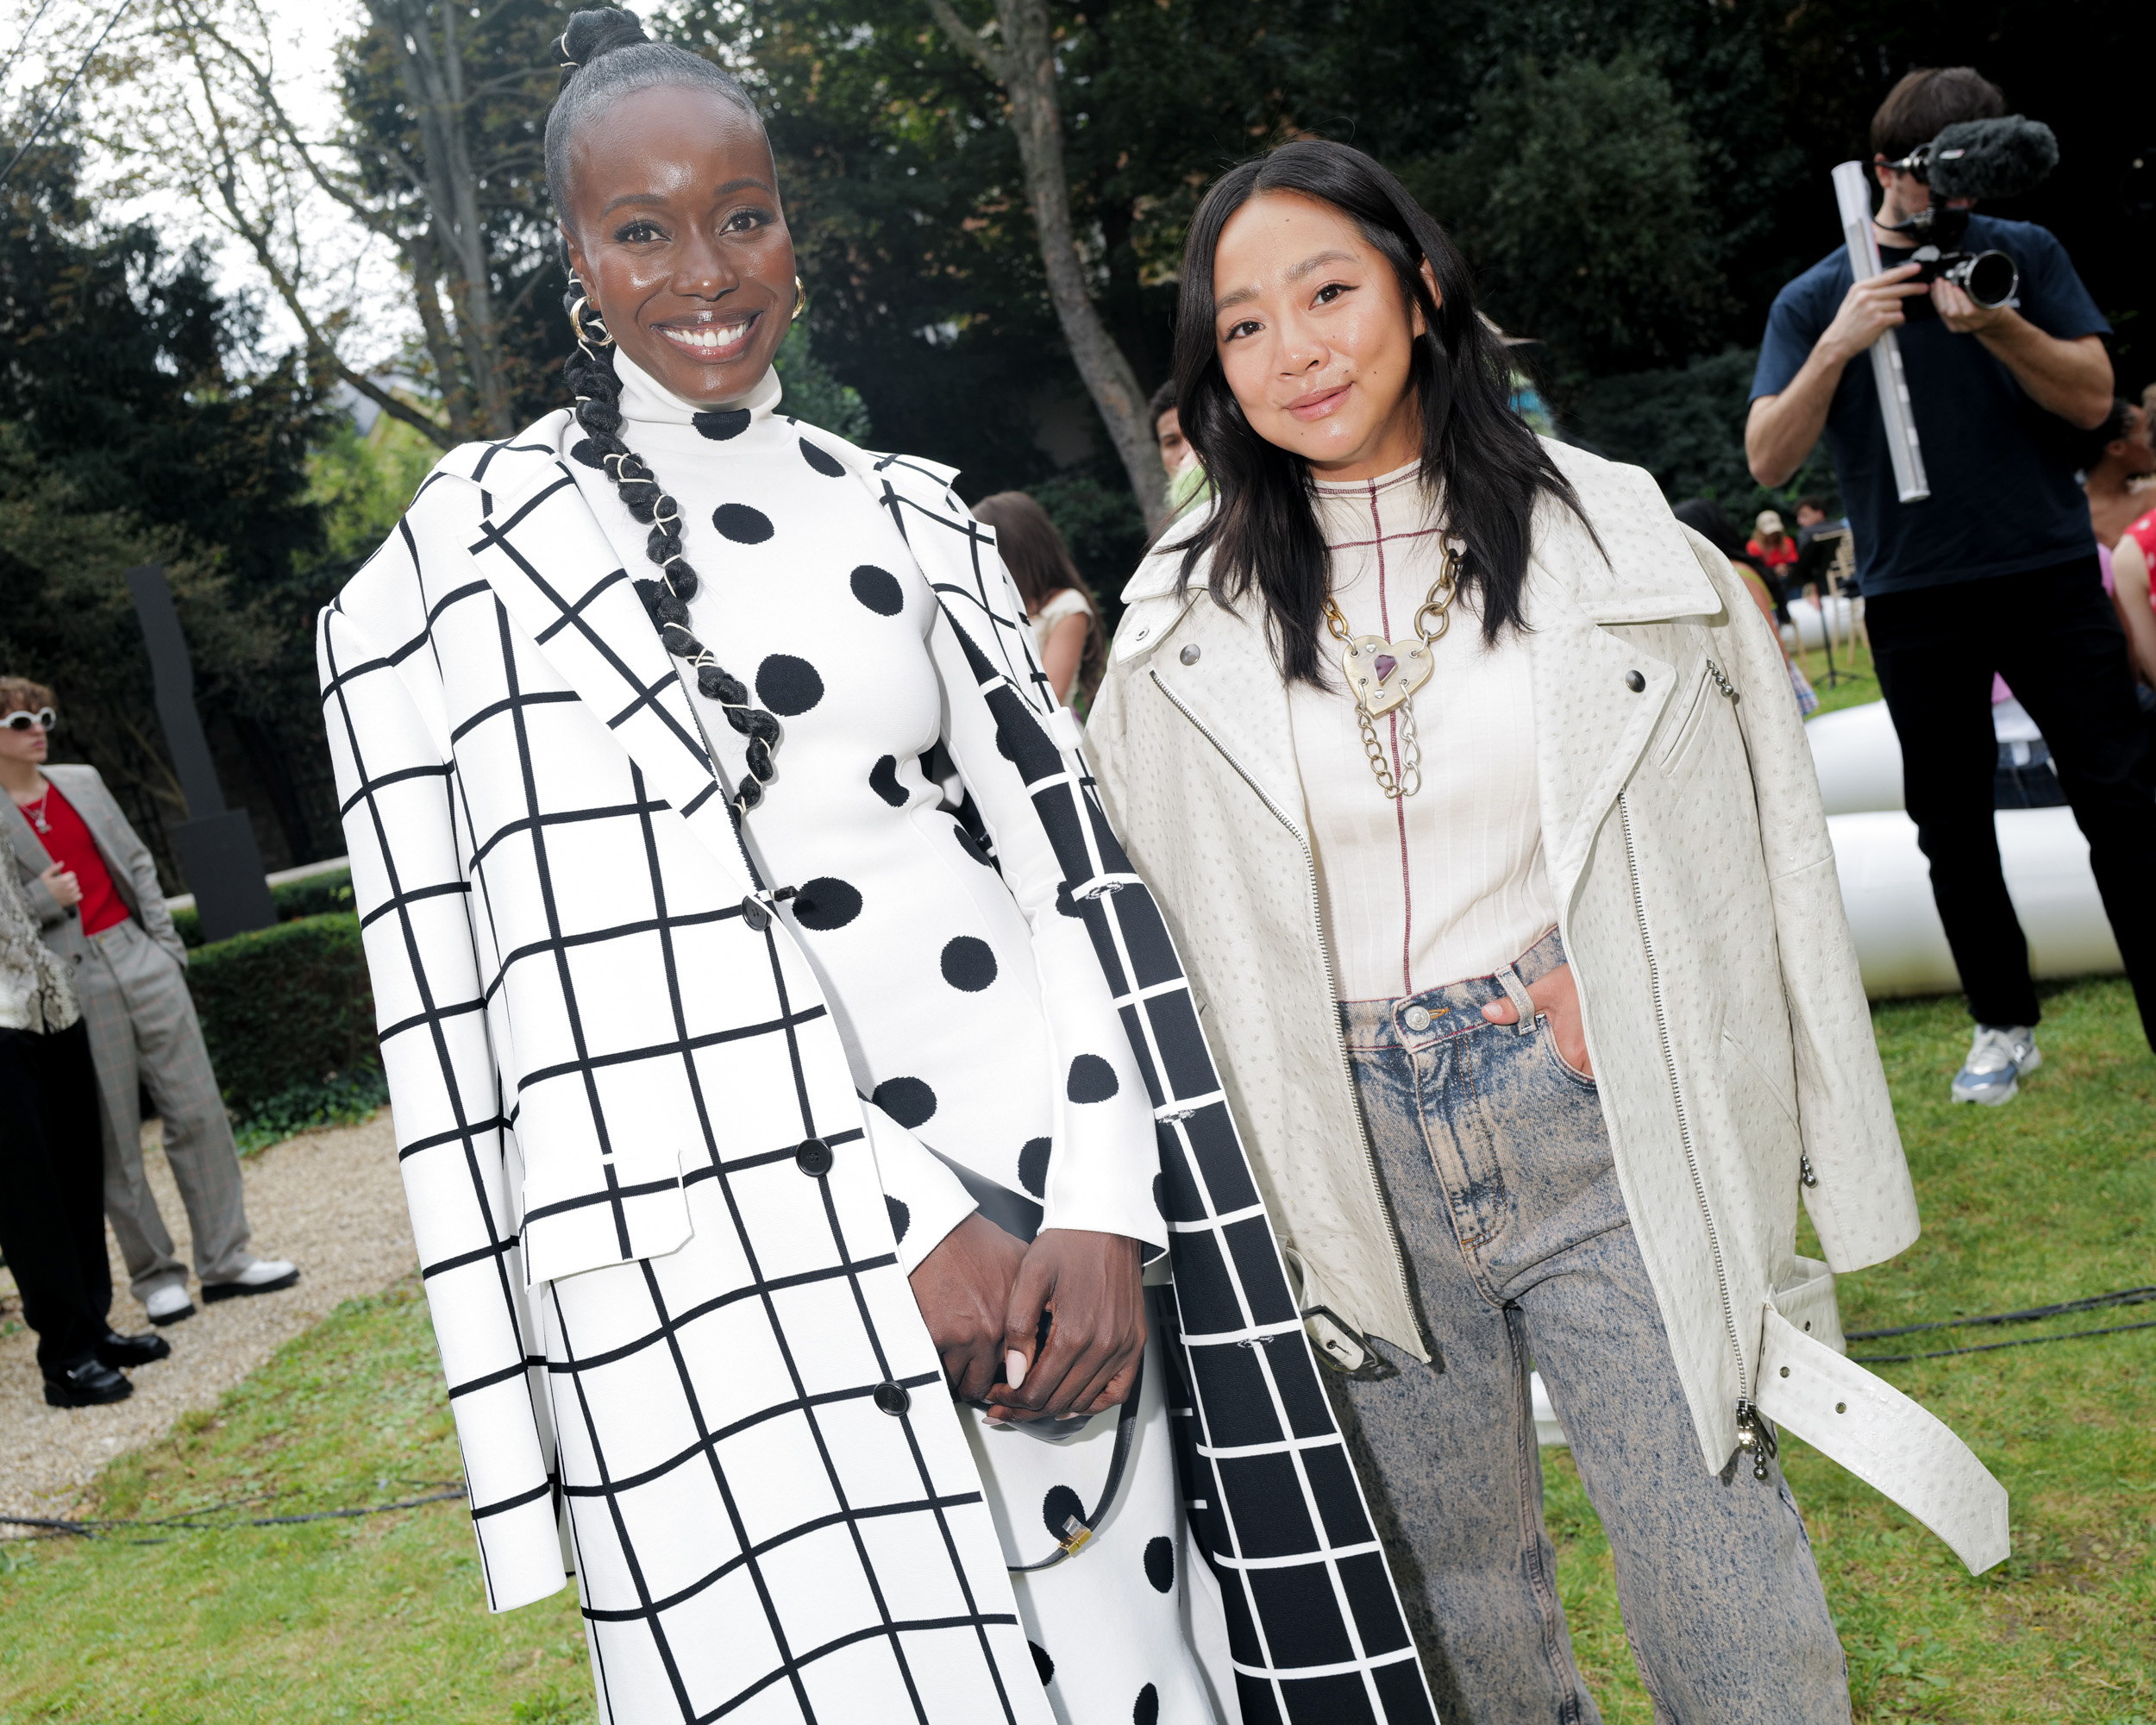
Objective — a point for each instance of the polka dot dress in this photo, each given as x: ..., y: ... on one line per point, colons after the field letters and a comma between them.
x: 955, y: 1004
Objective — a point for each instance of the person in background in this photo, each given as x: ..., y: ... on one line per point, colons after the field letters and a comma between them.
x: 1186, y: 478
x: 92, y: 887
x: 2131, y: 559
x: 1993, y: 572
x: 52, y: 1217
x: 1811, y: 515
x: 2118, y: 460
x: 1772, y: 548
x: 1068, y: 638
x: 1711, y: 522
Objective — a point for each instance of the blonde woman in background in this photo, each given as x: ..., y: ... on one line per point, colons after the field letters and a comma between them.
x: 1068, y: 637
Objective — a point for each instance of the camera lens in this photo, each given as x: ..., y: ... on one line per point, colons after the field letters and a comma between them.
x: 1989, y: 278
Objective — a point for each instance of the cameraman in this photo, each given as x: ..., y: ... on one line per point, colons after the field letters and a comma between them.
x: 1996, y: 571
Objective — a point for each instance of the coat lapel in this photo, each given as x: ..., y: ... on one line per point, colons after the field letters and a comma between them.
x: 549, y: 562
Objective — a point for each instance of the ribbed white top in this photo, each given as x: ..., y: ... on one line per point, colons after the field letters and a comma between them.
x: 1448, y: 882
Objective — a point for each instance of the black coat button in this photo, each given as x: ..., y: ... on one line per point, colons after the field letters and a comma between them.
x: 813, y: 1157
x: 893, y: 1398
x: 754, y: 914
x: 1634, y: 681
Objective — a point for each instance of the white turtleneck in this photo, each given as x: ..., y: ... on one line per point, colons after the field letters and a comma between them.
x: 1449, y: 882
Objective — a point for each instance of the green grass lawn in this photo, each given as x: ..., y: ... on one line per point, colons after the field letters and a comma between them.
x: 381, y: 1619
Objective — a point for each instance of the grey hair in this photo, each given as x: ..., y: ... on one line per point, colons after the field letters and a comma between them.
x: 606, y: 55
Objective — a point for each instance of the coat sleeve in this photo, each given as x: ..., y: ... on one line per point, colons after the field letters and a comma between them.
x: 1019, y: 755
x: 457, y: 1155
x: 926, y: 1199
x: 141, y: 869
x: 1863, y: 1205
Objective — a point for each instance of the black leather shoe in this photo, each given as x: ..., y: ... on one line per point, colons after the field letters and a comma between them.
x: 120, y: 1352
x: 90, y: 1384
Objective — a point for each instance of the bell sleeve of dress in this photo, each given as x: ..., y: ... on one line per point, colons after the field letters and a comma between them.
x: 1019, y: 755
x: 458, y: 1157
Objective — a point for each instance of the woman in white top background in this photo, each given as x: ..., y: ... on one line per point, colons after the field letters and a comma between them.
x: 1468, y: 783
x: 1068, y: 637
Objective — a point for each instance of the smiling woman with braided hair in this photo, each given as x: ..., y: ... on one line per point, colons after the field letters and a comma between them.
x: 787, y: 1124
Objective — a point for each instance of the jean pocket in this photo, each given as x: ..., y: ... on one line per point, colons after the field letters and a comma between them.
x: 1545, y: 1033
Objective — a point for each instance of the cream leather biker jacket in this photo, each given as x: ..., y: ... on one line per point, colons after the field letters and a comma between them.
x: 1700, y: 911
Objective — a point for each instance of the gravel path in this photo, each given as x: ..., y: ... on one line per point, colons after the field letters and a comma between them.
x: 329, y: 1201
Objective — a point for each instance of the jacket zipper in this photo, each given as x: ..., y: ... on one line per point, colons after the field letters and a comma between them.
x: 1332, y: 984
x: 1754, y: 1436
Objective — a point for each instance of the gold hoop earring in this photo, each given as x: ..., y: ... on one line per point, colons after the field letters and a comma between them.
x: 800, y: 300
x: 585, y: 338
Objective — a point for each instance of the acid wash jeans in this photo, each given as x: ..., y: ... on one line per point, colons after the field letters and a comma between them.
x: 1493, y: 1157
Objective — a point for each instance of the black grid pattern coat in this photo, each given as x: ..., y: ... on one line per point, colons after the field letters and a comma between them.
x: 603, y: 1051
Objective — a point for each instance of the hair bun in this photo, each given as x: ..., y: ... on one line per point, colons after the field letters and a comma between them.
x: 596, y: 30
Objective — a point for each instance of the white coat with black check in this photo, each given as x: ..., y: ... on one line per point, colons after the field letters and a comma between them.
x: 497, y: 698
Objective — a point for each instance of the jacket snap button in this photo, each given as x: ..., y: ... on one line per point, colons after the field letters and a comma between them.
x: 754, y: 914
x: 893, y: 1398
x: 813, y: 1157
x: 1634, y: 681
x: 1785, y: 1371
x: 1416, y: 1018
x: 1189, y: 654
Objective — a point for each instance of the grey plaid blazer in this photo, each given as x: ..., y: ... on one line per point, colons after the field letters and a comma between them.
x: 133, y: 869
x: 496, y: 700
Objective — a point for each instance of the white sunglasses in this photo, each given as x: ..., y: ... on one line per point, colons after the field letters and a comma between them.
x: 22, y: 718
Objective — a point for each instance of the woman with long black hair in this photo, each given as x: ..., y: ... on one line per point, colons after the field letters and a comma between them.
x: 1465, y: 778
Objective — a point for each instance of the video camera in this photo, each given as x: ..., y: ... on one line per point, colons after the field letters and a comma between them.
x: 1971, y: 159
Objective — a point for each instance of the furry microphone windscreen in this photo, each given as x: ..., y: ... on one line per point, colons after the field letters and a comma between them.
x: 1997, y: 159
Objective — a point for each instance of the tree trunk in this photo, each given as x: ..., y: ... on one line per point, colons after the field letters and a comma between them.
x: 1026, y: 67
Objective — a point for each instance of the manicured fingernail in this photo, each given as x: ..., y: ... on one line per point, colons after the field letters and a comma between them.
x: 1014, y: 1368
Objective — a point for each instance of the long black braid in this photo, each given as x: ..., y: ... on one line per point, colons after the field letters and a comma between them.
x: 589, y: 372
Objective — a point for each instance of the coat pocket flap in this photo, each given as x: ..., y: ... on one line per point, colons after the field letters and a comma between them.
x: 1806, y: 1299
x: 1884, y: 1439
x: 634, y: 1207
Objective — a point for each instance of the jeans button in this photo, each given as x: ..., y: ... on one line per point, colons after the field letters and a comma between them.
x: 1416, y: 1018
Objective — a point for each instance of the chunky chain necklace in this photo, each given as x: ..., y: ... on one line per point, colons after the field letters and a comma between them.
x: 1384, y: 675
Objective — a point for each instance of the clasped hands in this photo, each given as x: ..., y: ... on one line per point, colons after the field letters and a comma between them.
x: 983, y: 1293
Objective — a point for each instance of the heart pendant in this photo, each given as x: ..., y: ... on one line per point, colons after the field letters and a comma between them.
x: 1380, y: 673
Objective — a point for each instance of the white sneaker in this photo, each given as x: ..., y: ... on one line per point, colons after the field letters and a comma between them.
x: 1999, y: 1056
x: 169, y: 1304
x: 263, y: 1276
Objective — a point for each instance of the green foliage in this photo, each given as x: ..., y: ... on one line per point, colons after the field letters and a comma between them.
x: 813, y: 394
x: 1577, y: 193
x: 1685, y: 424
x: 316, y: 895
x: 288, y: 1017
x: 1101, y: 525
x: 362, y: 484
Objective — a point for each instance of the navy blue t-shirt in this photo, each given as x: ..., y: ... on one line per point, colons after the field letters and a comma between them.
x: 2003, y: 497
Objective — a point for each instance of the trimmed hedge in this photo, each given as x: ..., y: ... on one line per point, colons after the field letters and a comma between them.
x: 316, y: 895
x: 289, y: 1019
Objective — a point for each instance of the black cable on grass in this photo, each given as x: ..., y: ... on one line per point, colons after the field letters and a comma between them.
x: 1993, y: 1347
x: 2125, y: 1297
x: 190, y: 1522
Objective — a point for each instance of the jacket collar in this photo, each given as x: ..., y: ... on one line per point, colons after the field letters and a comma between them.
x: 548, y: 560
x: 29, y: 849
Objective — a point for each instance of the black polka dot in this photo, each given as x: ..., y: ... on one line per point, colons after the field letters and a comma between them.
x: 1033, y: 1166
x: 741, y: 525
x: 1056, y: 1509
x: 825, y: 903
x: 788, y: 684
x: 1160, y: 1559
x: 970, y: 845
x: 1147, y: 1712
x: 1092, y: 1079
x: 822, y: 460
x: 1042, y: 1664
x: 901, y: 1220
x: 879, y: 590
x: 883, y: 780
x: 908, y: 1100
x: 968, y: 963
x: 722, y: 423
